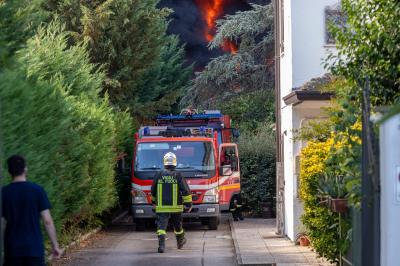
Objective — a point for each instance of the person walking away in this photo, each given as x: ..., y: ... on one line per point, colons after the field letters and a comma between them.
x: 24, y: 203
x: 170, y: 193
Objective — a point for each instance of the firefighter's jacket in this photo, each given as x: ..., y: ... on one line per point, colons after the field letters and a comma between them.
x: 170, y: 192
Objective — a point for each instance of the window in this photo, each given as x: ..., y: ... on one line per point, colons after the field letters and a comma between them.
x: 229, y: 158
x: 192, y: 156
x: 333, y: 16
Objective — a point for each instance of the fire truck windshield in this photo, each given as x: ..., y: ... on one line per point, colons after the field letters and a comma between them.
x: 194, y: 158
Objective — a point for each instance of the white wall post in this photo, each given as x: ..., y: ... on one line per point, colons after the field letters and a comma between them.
x: 390, y: 191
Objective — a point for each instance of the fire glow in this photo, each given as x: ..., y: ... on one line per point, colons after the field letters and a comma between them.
x: 212, y: 10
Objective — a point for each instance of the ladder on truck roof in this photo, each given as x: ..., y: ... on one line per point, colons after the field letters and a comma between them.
x: 213, y: 119
x: 170, y: 132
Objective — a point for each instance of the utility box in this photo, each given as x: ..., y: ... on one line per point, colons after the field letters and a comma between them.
x: 390, y: 191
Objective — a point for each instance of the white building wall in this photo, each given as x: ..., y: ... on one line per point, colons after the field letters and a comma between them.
x: 300, y: 61
x: 288, y: 169
x: 309, y: 47
x: 286, y: 114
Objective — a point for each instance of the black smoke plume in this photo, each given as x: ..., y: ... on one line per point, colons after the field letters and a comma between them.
x: 188, y: 24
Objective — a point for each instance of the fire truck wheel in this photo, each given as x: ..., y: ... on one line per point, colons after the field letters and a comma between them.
x: 140, y: 224
x: 213, y: 223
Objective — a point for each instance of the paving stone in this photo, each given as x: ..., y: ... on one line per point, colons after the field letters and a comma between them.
x: 256, y: 243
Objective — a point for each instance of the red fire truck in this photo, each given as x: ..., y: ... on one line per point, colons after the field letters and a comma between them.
x: 206, y: 156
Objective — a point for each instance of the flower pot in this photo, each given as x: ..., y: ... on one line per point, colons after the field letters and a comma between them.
x: 304, y: 241
x: 339, y: 205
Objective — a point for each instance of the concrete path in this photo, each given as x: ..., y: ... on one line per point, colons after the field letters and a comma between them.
x: 121, y: 246
x: 257, y: 244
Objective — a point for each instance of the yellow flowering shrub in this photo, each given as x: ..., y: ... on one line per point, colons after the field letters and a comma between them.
x: 320, y: 221
x: 312, y: 163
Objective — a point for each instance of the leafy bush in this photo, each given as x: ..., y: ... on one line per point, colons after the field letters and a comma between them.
x: 257, y: 157
x: 51, y: 114
x: 322, y: 225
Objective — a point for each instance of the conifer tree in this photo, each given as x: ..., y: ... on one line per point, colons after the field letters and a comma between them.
x: 164, y: 84
x: 249, y: 69
x: 127, y: 37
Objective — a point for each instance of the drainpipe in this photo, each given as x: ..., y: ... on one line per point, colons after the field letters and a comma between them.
x: 277, y: 110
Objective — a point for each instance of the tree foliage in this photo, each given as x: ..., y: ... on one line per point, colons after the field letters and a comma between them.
x: 128, y: 38
x: 249, y: 69
x: 164, y: 84
x: 368, y: 46
x: 18, y: 22
x: 249, y: 111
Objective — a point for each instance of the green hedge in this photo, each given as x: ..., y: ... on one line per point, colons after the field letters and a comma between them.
x: 51, y: 114
x: 257, y: 160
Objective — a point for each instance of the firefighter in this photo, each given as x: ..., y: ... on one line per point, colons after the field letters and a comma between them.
x: 170, y: 194
x: 236, y: 208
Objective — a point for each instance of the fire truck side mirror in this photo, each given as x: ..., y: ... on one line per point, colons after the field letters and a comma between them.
x: 225, y: 170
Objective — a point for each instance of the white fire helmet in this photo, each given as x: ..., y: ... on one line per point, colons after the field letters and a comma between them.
x: 170, y: 159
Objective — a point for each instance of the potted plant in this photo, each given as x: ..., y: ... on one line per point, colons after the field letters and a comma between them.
x: 338, y: 197
x: 302, y: 239
x: 325, y: 188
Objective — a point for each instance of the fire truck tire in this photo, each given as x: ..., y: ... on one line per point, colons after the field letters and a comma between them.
x: 140, y: 224
x: 213, y: 223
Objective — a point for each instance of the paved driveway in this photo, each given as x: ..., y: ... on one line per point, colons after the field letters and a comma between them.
x: 120, y: 246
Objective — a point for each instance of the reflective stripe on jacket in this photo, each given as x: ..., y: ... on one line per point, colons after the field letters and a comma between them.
x: 170, y: 191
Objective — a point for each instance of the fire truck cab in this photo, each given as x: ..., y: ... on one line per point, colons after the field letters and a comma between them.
x: 206, y: 157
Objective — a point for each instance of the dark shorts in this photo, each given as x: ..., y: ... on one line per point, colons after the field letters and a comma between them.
x: 24, y: 261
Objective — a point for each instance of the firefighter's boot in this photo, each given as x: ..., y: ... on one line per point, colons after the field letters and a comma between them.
x: 161, y: 243
x: 180, y: 240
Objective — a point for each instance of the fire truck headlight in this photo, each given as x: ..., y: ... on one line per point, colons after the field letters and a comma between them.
x: 138, y: 197
x: 211, y: 196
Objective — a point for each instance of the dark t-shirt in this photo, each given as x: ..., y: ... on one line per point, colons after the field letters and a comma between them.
x: 22, y: 204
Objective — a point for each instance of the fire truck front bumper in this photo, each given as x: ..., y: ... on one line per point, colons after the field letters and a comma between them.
x: 198, y: 211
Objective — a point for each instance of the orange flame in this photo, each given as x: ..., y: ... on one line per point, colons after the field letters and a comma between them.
x: 211, y: 11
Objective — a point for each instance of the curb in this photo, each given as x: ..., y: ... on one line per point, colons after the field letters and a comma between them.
x: 75, y: 243
x: 92, y: 232
x: 83, y: 238
x: 239, y: 260
x: 119, y: 217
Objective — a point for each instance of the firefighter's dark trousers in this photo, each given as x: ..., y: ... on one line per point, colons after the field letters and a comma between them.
x: 162, y: 223
x: 236, y: 208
